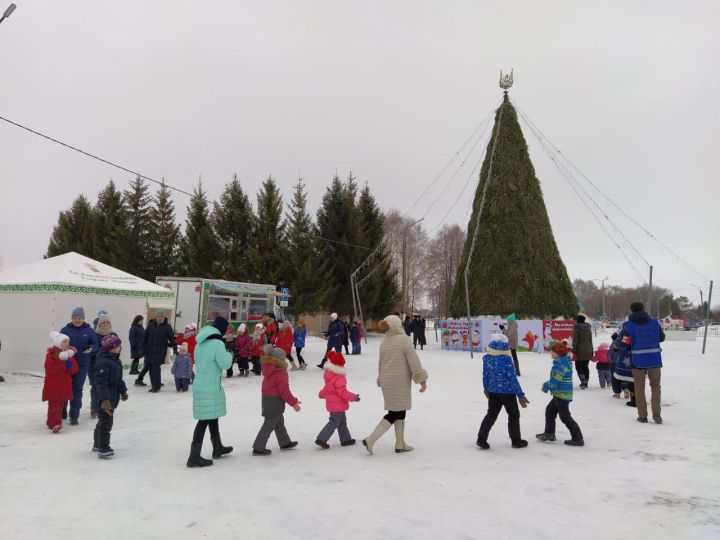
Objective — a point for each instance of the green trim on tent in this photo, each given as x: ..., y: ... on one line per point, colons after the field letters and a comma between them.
x: 46, y: 287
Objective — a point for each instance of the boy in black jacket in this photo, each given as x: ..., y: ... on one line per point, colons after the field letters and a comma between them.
x: 109, y: 390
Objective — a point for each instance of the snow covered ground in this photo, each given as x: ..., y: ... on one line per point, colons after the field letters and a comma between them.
x: 630, y: 480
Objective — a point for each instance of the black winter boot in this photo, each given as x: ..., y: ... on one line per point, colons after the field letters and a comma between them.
x: 218, y: 449
x: 195, y: 459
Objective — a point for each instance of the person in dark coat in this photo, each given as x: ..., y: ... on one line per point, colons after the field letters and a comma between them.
x: 355, y: 337
x: 334, y: 336
x: 137, y: 341
x: 346, y: 335
x: 159, y: 336
x: 83, y: 339
x: 407, y: 325
x: 418, y: 332
x: 109, y: 390
x: 583, y: 349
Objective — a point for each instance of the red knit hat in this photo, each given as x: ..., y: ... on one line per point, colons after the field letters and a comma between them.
x: 560, y: 348
x: 336, y: 358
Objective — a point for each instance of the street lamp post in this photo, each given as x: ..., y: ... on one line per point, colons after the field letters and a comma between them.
x: 602, y: 282
x: 8, y: 12
x: 702, y: 302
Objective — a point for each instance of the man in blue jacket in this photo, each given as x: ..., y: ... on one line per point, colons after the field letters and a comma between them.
x: 644, y: 334
x: 83, y: 338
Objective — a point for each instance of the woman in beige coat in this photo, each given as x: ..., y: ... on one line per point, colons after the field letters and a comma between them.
x: 398, y: 368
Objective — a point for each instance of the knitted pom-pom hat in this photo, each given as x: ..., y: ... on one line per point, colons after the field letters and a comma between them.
x: 57, y: 338
x: 561, y: 348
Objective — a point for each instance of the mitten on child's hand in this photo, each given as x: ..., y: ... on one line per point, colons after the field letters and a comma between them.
x: 523, y: 401
x: 124, y: 396
x: 357, y: 397
x: 105, y: 405
x: 68, y: 364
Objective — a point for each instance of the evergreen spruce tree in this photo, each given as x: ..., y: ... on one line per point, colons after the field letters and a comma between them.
x: 338, y: 219
x: 163, y: 236
x: 199, y: 249
x: 110, y: 231
x: 74, y: 230
x: 515, y: 265
x: 232, y: 222
x: 268, y: 251
x: 307, y: 274
x: 137, y: 248
x: 380, y: 292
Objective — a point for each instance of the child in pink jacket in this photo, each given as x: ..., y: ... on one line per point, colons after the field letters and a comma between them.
x: 337, y: 401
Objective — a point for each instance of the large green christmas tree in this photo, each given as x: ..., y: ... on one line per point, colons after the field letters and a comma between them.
x: 515, y: 265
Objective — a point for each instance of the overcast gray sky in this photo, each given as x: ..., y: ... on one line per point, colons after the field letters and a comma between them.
x: 629, y: 90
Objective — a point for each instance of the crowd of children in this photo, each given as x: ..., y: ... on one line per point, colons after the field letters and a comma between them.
x: 214, y: 350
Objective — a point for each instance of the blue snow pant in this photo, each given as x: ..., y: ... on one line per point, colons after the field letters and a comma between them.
x: 182, y: 384
x: 337, y: 421
x: 356, y: 347
x: 605, y: 377
x: 78, y: 381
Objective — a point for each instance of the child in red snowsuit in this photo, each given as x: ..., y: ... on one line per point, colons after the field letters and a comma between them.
x: 60, y: 366
x: 284, y: 341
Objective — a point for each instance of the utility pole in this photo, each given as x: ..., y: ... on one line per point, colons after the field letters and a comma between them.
x: 602, y: 283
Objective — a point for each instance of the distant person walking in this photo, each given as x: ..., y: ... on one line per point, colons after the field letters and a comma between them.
x: 137, y: 340
x: 511, y: 332
x: 159, y: 336
x: 418, y: 332
x: 334, y: 336
x: 582, y: 347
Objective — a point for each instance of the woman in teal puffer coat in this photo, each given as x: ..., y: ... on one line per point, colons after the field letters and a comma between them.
x: 211, y: 361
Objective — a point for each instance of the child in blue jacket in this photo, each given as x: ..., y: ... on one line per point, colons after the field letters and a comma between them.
x: 560, y: 385
x: 182, y: 369
x: 502, y: 389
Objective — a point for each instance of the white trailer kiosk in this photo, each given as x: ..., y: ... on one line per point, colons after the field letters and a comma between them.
x: 200, y: 300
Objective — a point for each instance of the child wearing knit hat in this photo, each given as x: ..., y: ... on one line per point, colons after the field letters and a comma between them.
x: 109, y: 390
x: 561, y: 387
x: 337, y: 400
x: 502, y: 389
x: 60, y: 366
x: 275, y: 394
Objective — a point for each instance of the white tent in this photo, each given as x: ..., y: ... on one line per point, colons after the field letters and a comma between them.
x: 39, y: 297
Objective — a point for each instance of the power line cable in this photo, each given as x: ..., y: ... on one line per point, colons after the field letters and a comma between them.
x: 108, y: 162
x: 615, y: 204
x: 457, y: 170
x: 140, y: 175
x: 574, y: 186
x: 467, y: 182
x: 455, y: 155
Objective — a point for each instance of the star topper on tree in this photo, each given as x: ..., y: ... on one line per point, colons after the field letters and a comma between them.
x: 506, y: 81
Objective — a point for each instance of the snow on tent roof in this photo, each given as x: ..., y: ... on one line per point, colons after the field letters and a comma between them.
x: 76, y: 273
